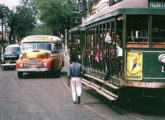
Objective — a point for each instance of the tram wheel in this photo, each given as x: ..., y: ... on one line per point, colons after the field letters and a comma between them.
x: 20, y: 74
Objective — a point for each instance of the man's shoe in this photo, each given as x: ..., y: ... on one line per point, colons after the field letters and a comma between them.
x: 79, y: 100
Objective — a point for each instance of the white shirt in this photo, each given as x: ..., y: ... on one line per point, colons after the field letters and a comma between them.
x: 119, y: 51
x: 108, y: 39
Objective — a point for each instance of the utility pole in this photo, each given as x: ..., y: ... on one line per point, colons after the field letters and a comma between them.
x: 2, y: 32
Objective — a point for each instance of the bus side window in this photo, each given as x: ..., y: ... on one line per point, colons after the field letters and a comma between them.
x: 59, y: 46
x: 54, y: 47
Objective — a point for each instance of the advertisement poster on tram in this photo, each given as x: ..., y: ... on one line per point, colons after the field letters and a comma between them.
x: 134, y: 65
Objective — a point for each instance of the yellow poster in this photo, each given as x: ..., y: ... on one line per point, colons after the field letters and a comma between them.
x: 134, y: 65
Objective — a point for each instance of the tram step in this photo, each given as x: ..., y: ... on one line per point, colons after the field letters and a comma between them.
x: 109, y: 95
x: 101, y: 81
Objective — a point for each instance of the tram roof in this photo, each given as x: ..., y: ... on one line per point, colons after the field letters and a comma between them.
x: 41, y: 38
x: 77, y: 28
x: 126, y: 11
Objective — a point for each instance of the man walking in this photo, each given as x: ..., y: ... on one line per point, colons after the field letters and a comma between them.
x: 74, y: 77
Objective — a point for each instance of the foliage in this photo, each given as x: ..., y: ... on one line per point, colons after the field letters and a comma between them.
x: 24, y: 21
x: 31, y: 5
x: 41, y: 30
x: 3, y: 41
x: 57, y: 14
x: 21, y: 21
x: 5, y: 14
x: 90, y: 3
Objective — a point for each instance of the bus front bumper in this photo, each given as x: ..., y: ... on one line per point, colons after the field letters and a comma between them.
x: 8, y: 65
x: 33, y: 70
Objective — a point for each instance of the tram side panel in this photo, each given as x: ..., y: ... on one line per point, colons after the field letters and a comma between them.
x: 145, y: 71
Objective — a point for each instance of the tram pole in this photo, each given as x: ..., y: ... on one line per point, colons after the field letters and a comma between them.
x: 66, y: 48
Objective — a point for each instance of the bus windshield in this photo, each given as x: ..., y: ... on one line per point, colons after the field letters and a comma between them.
x: 12, y: 49
x: 36, y: 46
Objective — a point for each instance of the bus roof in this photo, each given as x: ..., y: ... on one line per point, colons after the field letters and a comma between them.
x: 13, y: 45
x: 41, y: 38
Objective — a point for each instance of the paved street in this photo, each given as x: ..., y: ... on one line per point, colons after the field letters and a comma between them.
x: 39, y: 97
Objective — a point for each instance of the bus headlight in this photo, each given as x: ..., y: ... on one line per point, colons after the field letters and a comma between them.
x: 45, y: 64
x: 20, y: 65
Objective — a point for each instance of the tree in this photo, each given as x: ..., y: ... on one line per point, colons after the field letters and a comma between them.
x: 41, y: 29
x: 24, y: 21
x: 31, y: 5
x: 57, y: 14
x: 4, y: 17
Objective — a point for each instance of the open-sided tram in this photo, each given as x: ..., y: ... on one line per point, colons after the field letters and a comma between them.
x: 141, y: 28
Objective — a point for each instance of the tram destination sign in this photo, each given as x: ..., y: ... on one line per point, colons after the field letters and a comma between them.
x: 157, y: 4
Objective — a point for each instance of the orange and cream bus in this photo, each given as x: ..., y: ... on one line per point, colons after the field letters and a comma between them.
x: 40, y: 53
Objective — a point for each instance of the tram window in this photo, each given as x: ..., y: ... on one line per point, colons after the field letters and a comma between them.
x: 137, y: 31
x: 158, y: 30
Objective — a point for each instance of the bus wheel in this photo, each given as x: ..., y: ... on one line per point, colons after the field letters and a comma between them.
x: 3, y: 67
x: 20, y: 74
x: 63, y: 64
x: 58, y: 72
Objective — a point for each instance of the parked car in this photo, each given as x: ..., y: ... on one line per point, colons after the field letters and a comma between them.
x: 11, y: 55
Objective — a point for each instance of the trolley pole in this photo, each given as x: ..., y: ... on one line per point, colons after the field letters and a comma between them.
x: 66, y: 48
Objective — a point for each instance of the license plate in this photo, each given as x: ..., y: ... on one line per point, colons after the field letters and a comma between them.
x: 33, y: 66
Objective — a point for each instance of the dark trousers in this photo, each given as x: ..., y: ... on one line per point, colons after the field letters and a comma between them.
x: 108, y: 74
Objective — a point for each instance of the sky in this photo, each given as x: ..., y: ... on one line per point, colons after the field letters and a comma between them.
x: 10, y: 3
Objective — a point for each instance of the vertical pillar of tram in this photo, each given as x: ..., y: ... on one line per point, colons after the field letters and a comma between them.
x: 81, y: 45
x: 150, y: 31
x: 124, y: 46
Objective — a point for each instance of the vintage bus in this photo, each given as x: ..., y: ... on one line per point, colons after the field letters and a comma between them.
x: 141, y: 27
x: 40, y: 53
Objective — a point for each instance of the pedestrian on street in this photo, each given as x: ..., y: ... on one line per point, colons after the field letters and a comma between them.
x: 74, y: 77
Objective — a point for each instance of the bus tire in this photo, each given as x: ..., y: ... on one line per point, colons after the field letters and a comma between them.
x: 3, y: 67
x: 58, y: 73
x: 63, y: 64
x: 20, y: 74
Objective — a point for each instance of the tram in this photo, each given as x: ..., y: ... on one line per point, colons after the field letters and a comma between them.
x: 141, y: 28
x: 40, y: 53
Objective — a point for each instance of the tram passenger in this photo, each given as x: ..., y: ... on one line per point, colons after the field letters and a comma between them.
x: 108, y: 41
x: 74, y: 77
x: 118, y: 41
x: 119, y: 52
x: 108, y: 38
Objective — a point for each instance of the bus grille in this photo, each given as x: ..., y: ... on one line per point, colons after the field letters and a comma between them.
x: 33, y: 62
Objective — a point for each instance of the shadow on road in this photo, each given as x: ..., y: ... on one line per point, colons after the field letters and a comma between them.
x: 144, y: 107
x: 44, y: 75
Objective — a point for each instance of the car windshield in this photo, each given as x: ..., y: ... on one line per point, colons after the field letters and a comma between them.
x: 12, y: 49
x: 36, y: 46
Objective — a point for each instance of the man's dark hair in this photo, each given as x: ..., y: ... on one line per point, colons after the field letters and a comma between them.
x: 73, y: 58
